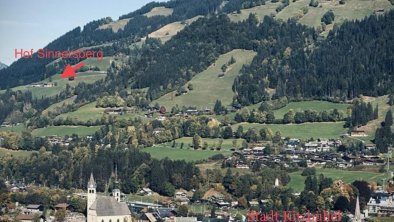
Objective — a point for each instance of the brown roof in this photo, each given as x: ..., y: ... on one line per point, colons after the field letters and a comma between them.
x: 24, y: 217
x: 62, y: 205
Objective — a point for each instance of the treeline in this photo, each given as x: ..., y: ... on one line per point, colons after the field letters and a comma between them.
x: 268, y: 117
x: 239, y: 186
x: 384, y: 137
x: 318, y: 188
x: 313, y: 116
x: 355, y: 48
x: 72, y: 168
x: 362, y: 113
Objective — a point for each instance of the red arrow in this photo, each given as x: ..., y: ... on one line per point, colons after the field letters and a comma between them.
x: 69, y: 72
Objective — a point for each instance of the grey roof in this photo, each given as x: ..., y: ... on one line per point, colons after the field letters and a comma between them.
x: 109, y: 206
x: 91, y: 183
x: 33, y: 206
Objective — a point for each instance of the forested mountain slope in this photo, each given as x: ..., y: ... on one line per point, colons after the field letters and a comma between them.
x: 355, y: 58
x: 26, y: 71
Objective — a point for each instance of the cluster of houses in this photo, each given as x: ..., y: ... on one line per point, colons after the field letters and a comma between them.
x: 57, y: 140
x: 36, y: 212
x: 314, y: 153
x: 16, y: 186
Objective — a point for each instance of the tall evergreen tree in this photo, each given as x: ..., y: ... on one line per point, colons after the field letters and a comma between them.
x: 388, y: 120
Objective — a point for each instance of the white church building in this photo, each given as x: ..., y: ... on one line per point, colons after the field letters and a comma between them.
x: 106, y: 208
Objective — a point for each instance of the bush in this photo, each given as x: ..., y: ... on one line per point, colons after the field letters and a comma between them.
x: 217, y: 157
x: 314, y: 3
x: 328, y: 17
x: 309, y: 172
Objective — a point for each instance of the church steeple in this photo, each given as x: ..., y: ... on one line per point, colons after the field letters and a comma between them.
x: 116, y: 187
x: 91, y: 191
x: 357, y: 213
x: 91, y: 183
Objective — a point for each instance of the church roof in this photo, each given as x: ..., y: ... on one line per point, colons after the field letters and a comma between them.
x: 91, y: 182
x: 109, y: 206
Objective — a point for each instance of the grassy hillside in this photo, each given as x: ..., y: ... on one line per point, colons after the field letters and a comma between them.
x: 313, y: 105
x: 260, y: 11
x: 91, y: 112
x: 87, y: 77
x: 168, y: 31
x: 115, y: 26
x: 301, y: 131
x: 162, y: 152
x: 207, y: 86
x: 59, y: 105
x: 188, y: 153
x: 371, y: 127
x: 162, y: 11
x: 297, y: 181
x: 351, y: 10
x: 85, y: 113
x: 15, y: 129
x: 226, y: 145
x: 66, y: 130
x: 103, y: 64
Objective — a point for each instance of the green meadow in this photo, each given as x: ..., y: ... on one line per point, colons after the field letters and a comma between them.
x: 312, y: 105
x: 66, y: 130
x: 38, y: 92
x: 297, y: 181
x: 188, y: 153
x: 207, y: 86
x: 301, y: 131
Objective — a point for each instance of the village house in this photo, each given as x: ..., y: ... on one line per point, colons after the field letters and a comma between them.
x: 181, y: 197
x: 146, y: 192
x: 181, y: 219
x: 113, y: 111
x: 158, y: 131
x: 258, y: 150
x: 223, y: 205
x: 33, y: 209
x: 137, y: 206
x: 358, y: 133
x: 28, y: 218
x: 293, y: 143
x: 381, y: 203
x: 54, y: 140
x: 6, y: 124
x: 64, y: 206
